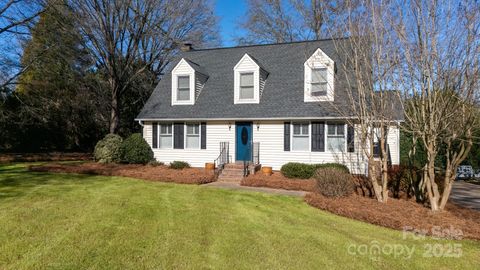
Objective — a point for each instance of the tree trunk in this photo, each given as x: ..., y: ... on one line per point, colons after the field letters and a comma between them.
x: 432, y: 188
x: 114, y: 112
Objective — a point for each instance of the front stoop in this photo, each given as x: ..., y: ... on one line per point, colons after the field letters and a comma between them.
x: 233, y: 172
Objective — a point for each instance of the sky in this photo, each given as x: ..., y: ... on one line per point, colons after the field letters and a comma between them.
x: 229, y: 12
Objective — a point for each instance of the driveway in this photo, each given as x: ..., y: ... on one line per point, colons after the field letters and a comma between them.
x: 466, y: 194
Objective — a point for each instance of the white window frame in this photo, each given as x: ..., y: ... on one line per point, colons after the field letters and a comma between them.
x: 246, y: 65
x: 180, y: 70
x: 319, y: 60
x: 186, y: 135
x: 324, y: 82
x: 240, y: 86
x: 344, y: 136
x: 309, y: 136
x: 160, y: 135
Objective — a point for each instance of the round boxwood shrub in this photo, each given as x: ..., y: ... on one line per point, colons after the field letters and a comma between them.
x: 135, y: 150
x: 298, y: 170
x: 108, y: 149
x: 178, y: 165
x: 332, y: 182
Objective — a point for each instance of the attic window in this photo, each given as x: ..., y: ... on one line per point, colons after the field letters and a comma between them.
x: 247, y: 86
x: 319, y: 81
x: 319, y: 78
x: 183, y: 90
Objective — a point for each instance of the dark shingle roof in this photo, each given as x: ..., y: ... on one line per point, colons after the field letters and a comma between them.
x: 282, y: 95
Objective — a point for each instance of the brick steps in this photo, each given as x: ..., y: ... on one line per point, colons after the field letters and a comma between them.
x: 232, y: 173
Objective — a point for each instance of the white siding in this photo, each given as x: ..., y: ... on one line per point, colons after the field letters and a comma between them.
x: 270, y: 136
x: 217, y: 132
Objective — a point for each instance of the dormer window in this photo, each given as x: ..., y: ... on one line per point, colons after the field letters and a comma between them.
x: 249, y: 80
x: 188, y: 79
x: 247, y: 90
x: 183, y: 88
x: 319, y: 83
x: 319, y: 78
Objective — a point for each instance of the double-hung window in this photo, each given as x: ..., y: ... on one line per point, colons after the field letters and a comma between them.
x: 336, y: 138
x: 183, y: 88
x: 165, y: 136
x: 300, y: 137
x: 246, y: 86
x: 193, y: 136
x: 319, y: 82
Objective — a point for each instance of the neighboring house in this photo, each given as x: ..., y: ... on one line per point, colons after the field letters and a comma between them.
x: 267, y: 104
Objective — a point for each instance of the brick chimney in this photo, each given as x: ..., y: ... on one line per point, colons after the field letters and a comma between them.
x: 186, y: 47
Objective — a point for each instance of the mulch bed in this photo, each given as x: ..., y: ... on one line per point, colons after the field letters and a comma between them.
x: 400, y: 214
x: 146, y: 172
x: 53, y: 156
x: 277, y: 180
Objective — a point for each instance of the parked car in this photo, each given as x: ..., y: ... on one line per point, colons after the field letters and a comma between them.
x: 465, y: 172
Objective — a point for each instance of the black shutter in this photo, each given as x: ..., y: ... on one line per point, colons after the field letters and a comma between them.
x: 286, y: 136
x: 154, y: 135
x: 178, y: 135
x: 318, y: 137
x: 203, y: 135
x: 350, y: 139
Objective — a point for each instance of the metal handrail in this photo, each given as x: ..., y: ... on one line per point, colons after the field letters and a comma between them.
x: 223, y: 157
x: 253, y: 149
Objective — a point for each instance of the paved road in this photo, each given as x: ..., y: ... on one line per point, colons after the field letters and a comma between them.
x: 466, y: 194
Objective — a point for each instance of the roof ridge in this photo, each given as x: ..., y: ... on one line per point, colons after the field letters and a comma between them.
x: 268, y: 44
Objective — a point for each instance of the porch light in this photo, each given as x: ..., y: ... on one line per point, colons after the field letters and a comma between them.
x: 258, y: 126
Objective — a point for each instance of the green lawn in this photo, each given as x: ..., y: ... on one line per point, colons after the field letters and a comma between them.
x: 59, y: 221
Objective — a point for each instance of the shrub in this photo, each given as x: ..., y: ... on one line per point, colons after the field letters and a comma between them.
x: 337, y: 166
x: 178, y: 165
x: 305, y: 171
x: 332, y: 182
x: 135, y: 150
x: 298, y: 170
x: 108, y: 149
x: 155, y: 163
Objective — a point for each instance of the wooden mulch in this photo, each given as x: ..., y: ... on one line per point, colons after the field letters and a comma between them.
x: 403, y: 214
x: 277, y: 180
x: 147, y: 172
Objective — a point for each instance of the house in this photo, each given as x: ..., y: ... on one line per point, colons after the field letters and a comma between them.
x: 265, y: 104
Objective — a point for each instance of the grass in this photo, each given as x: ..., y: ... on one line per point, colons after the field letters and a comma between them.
x: 59, y: 221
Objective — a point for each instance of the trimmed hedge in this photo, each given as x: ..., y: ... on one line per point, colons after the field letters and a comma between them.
x: 332, y: 182
x: 178, y: 165
x: 135, y: 150
x: 306, y: 171
x: 108, y: 149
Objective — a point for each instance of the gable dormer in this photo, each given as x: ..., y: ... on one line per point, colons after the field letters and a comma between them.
x: 319, y: 78
x: 249, y: 80
x: 188, y: 80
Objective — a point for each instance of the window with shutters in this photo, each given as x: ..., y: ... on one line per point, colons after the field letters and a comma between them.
x: 336, y: 137
x: 192, y: 136
x: 165, y: 137
x: 300, y: 137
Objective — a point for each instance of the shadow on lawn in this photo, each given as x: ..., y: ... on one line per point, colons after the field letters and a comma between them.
x: 17, y: 181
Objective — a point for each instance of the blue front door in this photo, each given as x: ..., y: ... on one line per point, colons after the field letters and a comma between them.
x: 243, y: 141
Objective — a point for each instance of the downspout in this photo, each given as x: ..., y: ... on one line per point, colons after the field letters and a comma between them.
x: 141, y: 124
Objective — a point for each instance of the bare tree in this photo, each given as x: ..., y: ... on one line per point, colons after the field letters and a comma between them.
x: 276, y: 21
x: 369, y: 61
x: 16, y: 17
x: 129, y: 37
x: 440, y: 49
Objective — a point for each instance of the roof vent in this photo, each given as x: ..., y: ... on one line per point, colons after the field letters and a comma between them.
x: 186, y: 47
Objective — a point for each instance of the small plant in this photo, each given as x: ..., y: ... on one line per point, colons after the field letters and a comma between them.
x: 332, y: 182
x: 155, y: 163
x: 135, y: 150
x: 178, y: 165
x: 108, y: 149
x: 297, y: 170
